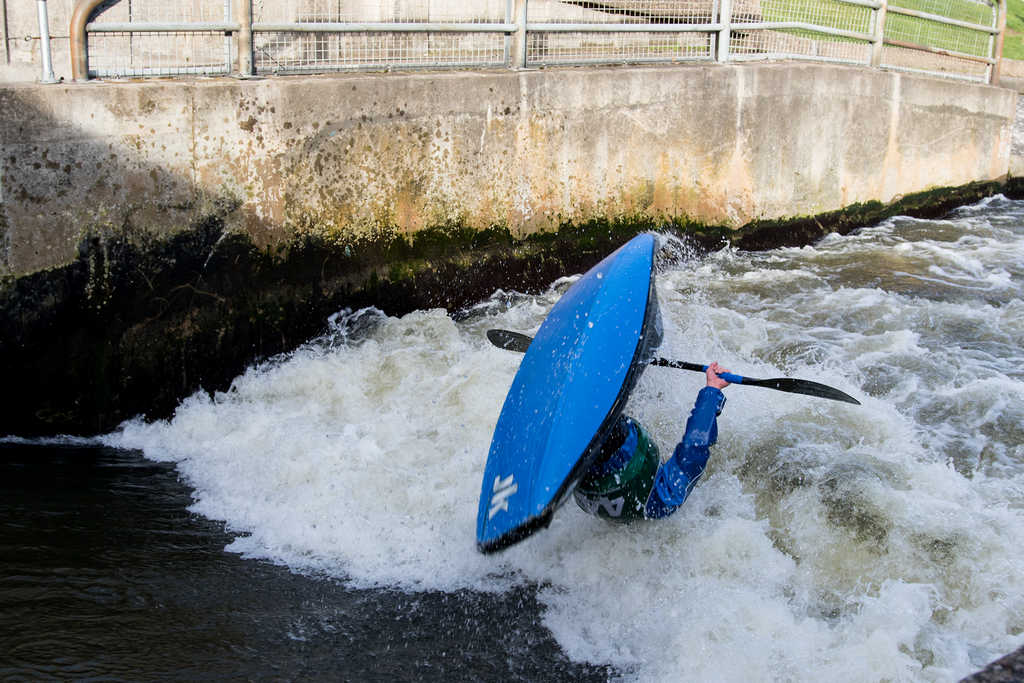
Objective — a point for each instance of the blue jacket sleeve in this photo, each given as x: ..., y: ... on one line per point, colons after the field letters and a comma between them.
x: 677, y: 476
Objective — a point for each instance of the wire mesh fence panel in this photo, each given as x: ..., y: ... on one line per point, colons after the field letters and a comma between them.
x: 937, y: 35
x: 148, y: 52
x: 163, y: 11
x: 549, y: 48
x: 825, y: 13
x: 971, y: 11
x: 343, y: 45
x: 622, y: 12
x: 285, y: 51
x: 906, y: 59
x: 804, y: 41
x: 374, y: 11
x: 161, y: 53
x: 945, y: 46
x: 797, y: 44
x: 161, y: 37
x: 614, y: 31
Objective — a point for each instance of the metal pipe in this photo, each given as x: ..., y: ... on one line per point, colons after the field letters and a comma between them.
x: 625, y: 28
x: 78, y: 48
x: 870, y: 4
x: 44, y: 43
x: 243, y: 14
x: 725, y: 33
x: 158, y: 27
x: 939, y: 51
x: 812, y: 28
x: 520, y: 53
x: 995, y: 72
x: 509, y: 14
x: 379, y: 27
x: 3, y: 29
x: 878, y: 34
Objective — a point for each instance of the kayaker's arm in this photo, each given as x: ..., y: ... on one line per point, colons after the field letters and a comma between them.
x: 680, y: 473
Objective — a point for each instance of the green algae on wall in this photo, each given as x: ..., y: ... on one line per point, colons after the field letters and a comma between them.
x: 136, y: 323
x: 801, y: 230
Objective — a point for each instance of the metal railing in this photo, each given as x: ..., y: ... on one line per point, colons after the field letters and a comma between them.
x: 953, y: 38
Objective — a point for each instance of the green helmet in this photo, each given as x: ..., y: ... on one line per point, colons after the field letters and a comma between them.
x: 617, y: 485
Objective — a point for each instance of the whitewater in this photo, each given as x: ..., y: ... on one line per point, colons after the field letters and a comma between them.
x: 825, y: 541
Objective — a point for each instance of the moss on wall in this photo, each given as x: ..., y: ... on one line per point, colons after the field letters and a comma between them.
x: 137, y: 323
x: 798, y: 231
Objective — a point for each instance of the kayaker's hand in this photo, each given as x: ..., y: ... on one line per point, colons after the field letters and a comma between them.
x: 713, y: 379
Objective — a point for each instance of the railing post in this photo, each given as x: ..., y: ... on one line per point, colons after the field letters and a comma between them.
x: 243, y: 17
x: 725, y: 19
x: 878, y: 41
x: 44, y: 43
x: 995, y: 71
x: 518, y: 60
x: 3, y: 32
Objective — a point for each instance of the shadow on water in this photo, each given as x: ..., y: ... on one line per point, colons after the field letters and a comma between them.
x: 106, y: 575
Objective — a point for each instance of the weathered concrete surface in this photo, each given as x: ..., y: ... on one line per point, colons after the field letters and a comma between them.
x: 158, y: 237
x: 21, y: 58
x: 352, y: 155
x: 1017, y: 147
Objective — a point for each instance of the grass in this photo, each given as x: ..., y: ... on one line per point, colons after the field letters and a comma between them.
x: 1013, y: 41
x: 904, y: 28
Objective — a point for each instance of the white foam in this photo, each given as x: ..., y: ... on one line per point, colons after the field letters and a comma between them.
x: 826, y: 541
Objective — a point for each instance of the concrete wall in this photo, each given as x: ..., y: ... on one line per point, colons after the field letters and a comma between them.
x: 20, y: 59
x: 351, y: 154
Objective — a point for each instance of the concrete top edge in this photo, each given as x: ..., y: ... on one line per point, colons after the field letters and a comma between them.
x: 463, y: 74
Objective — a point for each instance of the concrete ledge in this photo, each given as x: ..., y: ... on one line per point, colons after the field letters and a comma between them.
x: 354, y: 155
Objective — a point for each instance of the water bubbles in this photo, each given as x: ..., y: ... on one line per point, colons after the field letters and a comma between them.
x: 882, y: 541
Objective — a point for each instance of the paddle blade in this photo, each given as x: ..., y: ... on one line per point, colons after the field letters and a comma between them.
x: 509, y: 340
x: 802, y: 386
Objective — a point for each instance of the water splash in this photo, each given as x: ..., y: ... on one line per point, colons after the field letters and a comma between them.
x: 884, y: 541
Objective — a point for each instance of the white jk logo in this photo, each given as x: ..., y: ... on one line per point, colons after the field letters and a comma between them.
x: 503, y: 488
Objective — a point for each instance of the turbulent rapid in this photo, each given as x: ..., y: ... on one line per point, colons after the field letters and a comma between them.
x: 826, y: 541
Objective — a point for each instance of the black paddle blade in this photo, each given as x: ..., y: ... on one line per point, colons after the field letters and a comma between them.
x: 509, y: 340
x: 802, y: 386
x: 793, y: 386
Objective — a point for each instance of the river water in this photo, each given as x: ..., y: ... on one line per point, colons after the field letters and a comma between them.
x: 318, y: 519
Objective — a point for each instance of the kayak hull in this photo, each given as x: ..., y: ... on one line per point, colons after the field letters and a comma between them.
x: 570, y: 388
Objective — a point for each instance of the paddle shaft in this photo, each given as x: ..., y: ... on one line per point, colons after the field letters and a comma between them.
x: 683, y: 365
x: 516, y: 341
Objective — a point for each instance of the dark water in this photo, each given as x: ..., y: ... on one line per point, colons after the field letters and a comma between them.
x: 104, y: 574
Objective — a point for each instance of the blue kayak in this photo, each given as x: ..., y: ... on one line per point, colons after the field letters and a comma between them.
x: 570, y: 387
